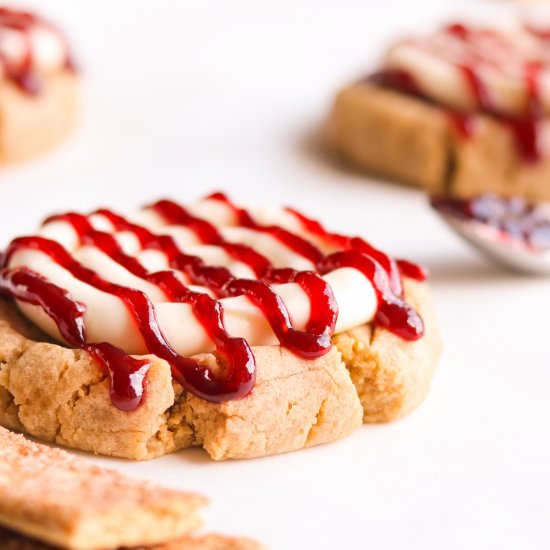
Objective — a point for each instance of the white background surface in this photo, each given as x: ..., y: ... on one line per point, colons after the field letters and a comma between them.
x: 188, y: 97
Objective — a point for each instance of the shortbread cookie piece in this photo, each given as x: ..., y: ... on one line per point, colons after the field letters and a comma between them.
x: 434, y: 118
x: 64, y: 500
x: 14, y: 541
x: 38, y: 86
x: 392, y: 378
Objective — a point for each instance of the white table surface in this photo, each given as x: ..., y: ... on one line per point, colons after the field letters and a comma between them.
x: 187, y: 97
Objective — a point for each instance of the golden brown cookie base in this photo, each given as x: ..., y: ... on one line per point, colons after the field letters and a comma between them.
x: 33, y: 124
x: 62, y: 395
x: 401, y: 137
x: 392, y: 376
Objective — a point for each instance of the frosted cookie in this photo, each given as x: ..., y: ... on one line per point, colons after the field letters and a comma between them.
x: 249, y: 332
x: 38, y: 86
x: 462, y: 111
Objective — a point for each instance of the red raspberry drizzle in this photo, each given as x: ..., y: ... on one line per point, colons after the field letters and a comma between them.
x: 525, y: 128
x: 24, y: 74
x: 379, y: 269
x: 236, y: 379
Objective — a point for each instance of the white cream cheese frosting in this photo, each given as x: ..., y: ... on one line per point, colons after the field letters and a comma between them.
x: 505, y: 59
x: 107, y: 318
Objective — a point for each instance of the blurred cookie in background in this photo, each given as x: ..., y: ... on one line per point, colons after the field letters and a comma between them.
x: 462, y: 111
x: 39, y: 86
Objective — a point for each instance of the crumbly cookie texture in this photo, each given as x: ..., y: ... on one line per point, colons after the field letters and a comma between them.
x: 295, y: 403
x: 65, y: 500
x: 392, y: 376
x: 61, y: 395
x: 13, y: 541
x: 401, y: 137
x: 32, y: 124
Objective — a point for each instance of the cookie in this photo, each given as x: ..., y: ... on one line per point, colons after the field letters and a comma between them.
x: 39, y: 87
x: 64, y: 500
x: 290, y: 359
x: 446, y: 114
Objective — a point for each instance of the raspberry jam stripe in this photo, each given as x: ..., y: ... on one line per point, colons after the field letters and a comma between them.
x: 381, y: 270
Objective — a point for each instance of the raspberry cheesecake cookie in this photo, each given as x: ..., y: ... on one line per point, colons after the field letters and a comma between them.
x: 38, y: 86
x: 249, y: 332
x: 462, y: 111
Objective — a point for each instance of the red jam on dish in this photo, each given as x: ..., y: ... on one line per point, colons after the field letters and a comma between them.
x: 237, y: 376
x: 514, y: 218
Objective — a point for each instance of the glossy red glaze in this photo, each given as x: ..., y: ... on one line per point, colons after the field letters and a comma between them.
x: 191, y: 375
x: 311, y: 343
x: 377, y: 267
x: 514, y: 218
x: 412, y: 271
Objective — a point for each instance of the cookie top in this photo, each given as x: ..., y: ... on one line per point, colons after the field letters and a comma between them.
x: 501, y: 71
x: 470, y: 67
x: 30, y: 46
x: 175, y: 282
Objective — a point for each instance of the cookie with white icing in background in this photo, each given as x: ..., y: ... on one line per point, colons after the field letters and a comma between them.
x: 462, y: 111
x: 246, y: 331
x: 39, y: 86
